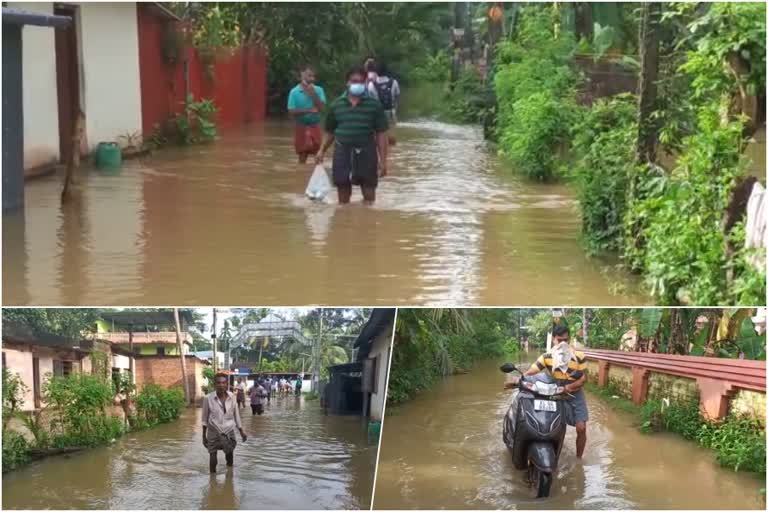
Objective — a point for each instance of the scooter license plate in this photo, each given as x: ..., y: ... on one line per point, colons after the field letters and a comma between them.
x: 545, y: 405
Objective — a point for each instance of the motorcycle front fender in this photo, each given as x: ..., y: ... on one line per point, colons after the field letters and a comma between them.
x: 543, y: 456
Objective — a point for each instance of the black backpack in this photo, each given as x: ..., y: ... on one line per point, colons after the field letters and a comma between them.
x: 384, y: 90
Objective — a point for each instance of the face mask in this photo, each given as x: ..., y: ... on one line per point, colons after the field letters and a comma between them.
x: 356, y: 89
x: 561, y: 353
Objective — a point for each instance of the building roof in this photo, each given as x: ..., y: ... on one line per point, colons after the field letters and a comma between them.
x: 162, y: 11
x: 21, y: 17
x: 135, y: 318
x: 16, y: 333
x: 381, y: 319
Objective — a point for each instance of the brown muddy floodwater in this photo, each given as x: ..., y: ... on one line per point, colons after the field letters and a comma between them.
x: 228, y: 223
x: 443, y: 450
x: 295, y: 458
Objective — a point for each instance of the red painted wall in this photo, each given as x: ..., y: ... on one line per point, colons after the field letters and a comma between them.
x: 239, y: 84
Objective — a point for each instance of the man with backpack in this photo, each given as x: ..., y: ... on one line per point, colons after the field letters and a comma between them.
x: 387, y: 92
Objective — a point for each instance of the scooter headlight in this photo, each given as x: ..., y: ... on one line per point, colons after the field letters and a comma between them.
x: 529, y: 385
x: 546, y: 389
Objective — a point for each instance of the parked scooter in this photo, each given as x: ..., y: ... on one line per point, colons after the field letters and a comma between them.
x: 534, y: 427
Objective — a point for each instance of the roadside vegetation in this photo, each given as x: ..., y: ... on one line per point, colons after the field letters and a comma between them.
x: 431, y: 344
x: 739, y: 443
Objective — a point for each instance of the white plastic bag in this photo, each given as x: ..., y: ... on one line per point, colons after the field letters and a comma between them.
x: 319, y: 185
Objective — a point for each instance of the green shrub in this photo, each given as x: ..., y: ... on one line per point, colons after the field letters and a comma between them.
x: 536, y: 93
x: 15, y: 450
x: 739, y: 443
x: 676, y: 223
x: 79, y: 403
x: 197, y: 123
x: 156, y: 404
x: 603, y: 148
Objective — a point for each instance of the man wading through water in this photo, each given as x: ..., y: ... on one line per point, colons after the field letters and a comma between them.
x: 221, y: 416
x: 305, y: 103
x: 358, y: 126
x: 562, y: 362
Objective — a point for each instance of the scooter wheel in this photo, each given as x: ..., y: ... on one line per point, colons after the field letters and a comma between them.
x: 543, y: 483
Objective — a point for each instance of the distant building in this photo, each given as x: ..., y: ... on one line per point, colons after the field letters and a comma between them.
x: 360, y: 387
x: 144, y: 333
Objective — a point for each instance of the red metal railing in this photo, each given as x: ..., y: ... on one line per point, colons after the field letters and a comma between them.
x: 741, y: 373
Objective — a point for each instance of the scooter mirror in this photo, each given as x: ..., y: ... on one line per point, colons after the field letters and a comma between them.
x: 508, y: 368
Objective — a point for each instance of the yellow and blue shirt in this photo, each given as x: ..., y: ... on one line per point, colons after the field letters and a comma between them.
x: 547, y: 362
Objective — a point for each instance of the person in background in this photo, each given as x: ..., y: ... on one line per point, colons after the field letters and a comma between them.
x: 257, y: 394
x: 282, y: 385
x: 267, y: 388
x: 273, y: 391
x: 221, y: 417
x: 297, y: 384
x: 371, y: 75
x: 358, y: 126
x: 240, y: 393
x: 306, y: 102
x: 388, y: 93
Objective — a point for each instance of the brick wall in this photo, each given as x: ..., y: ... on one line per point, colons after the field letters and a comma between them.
x: 166, y: 371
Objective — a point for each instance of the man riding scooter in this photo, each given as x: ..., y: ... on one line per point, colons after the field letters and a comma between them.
x: 568, y: 368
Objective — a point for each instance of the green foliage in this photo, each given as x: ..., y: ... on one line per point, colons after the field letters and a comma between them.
x: 434, y: 343
x: 682, y: 255
x: 156, y: 404
x: 71, y: 323
x: 15, y: 450
x: 603, y: 152
x: 79, y: 403
x: 13, y: 394
x: 649, y: 321
x: 197, y: 123
x: 536, y: 93
x: 208, y: 373
x: 738, y: 442
x: 750, y: 343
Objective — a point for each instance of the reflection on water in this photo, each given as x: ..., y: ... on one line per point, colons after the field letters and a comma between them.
x: 443, y: 450
x: 228, y: 223
x: 295, y: 458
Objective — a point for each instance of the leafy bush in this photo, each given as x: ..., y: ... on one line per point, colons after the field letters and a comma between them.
x: 603, y: 146
x: 13, y: 390
x: 80, y: 403
x: 683, y: 255
x: 156, y: 404
x: 536, y: 93
x: 15, y: 450
x: 738, y: 442
x: 197, y: 123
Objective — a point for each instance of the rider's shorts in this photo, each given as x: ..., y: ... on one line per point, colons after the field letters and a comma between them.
x: 576, y: 408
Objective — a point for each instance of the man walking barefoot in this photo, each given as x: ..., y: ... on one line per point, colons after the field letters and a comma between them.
x: 221, y: 416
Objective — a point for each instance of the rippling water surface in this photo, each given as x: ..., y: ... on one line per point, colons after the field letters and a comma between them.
x: 228, y: 223
x: 295, y: 458
x: 443, y: 450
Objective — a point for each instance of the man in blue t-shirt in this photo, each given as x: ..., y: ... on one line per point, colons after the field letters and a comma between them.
x: 305, y: 103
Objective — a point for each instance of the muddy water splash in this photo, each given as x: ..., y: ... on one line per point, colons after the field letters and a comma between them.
x: 295, y: 458
x: 228, y: 223
x: 443, y: 450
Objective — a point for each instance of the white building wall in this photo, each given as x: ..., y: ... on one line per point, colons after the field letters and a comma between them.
x: 20, y: 362
x: 380, y: 350
x: 111, y: 91
x: 41, y: 113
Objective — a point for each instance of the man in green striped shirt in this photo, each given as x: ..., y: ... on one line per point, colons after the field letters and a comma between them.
x: 358, y: 126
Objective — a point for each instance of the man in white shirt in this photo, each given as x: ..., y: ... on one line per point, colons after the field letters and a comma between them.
x: 221, y: 416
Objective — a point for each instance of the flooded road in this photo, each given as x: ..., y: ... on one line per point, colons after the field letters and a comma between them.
x: 228, y: 223
x: 295, y: 458
x: 444, y: 450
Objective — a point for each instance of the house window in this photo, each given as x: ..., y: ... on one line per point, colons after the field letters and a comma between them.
x: 62, y: 368
x: 161, y: 351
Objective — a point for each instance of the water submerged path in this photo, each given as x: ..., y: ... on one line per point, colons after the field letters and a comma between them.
x: 228, y: 223
x: 444, y: 450
x: 295, y: 458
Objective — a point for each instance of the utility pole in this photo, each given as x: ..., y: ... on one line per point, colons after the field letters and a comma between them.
x: 316, y: 349
x: 585, y: 325
x: 215, y: 349
x: 180, y: 345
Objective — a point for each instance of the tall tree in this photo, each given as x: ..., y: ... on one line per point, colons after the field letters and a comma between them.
x: 647, y: 127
